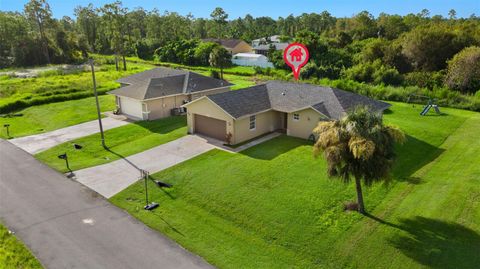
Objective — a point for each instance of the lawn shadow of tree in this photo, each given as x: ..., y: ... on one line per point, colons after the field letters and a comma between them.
x: 275, y: 147
x: 412, y: 156
x: 437, y: 244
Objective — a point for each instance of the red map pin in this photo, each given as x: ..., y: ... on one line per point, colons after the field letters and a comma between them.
x: 296, y: 56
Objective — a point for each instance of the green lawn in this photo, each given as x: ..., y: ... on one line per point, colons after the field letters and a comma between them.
x: 272, y: 206
x: 121, y: 141
x: 13, y: 254
x: 44, y: 118
x: 54, y: 85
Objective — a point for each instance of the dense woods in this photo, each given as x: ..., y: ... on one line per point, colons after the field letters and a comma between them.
x: 424, y: 50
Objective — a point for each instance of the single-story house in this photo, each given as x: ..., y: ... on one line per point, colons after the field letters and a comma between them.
x: 154, y: 93
x: 293, y: 108
x: 263, y: 40
x: 251, y: 59
x: 264, y: 48
x: 233, y: 46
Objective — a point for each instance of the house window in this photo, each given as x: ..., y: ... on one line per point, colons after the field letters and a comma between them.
x: 296, y: 116
x: 253, y: 122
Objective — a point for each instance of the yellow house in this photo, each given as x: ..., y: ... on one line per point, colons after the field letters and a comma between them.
x: 233, y: 46
x: 292, y: 108
x: 158, y: 92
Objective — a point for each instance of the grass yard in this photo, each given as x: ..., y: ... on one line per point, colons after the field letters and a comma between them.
x: 13, y: 254
x: 17, y: 93
x: 44, y: 118
x: 121, y: 141
x: 272, y: 206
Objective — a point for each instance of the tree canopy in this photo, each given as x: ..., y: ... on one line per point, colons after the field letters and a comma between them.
x: 359, y: 146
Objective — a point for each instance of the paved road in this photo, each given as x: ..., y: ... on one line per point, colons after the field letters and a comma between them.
x: 111, y: 178
x: 40, y: 142
x: 66, y: 225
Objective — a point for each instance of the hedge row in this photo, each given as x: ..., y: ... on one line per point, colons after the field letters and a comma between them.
x: 444, y: 96
x: 45, y: 99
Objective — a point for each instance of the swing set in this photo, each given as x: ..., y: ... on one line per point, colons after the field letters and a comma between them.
x: 431, y: 103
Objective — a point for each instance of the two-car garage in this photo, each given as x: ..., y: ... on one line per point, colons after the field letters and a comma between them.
x: 210, y: 127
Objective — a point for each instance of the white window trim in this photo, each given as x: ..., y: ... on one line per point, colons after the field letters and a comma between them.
x: 254, y: 123
x: 296, y: 119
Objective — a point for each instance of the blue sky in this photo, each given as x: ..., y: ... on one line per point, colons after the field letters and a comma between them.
x: 272, y: 8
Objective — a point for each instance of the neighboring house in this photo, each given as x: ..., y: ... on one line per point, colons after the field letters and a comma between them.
x: 293, y: 108
x: 264, y: 48
x: 263, y: 40
x: 154, y: 93
x: 251, y: 59
x: 233, y: 46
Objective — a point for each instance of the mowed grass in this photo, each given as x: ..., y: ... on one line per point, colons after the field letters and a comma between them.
x: 44, y: 118
x: 13, y: 254
x: 272, y: 206
x: 121, y: 142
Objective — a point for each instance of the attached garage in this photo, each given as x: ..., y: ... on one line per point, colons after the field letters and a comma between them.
x: 131, y: 108
x: 210, y: 127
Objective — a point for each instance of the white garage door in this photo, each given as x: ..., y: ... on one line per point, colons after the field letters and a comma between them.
x: 131, y: 108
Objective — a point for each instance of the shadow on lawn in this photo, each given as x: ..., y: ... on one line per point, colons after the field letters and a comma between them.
x: 437, y: 244
x: 412, y: 156
x: 163, y: 126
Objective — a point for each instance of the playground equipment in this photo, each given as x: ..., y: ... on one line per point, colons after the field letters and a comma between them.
x: 432, y: 102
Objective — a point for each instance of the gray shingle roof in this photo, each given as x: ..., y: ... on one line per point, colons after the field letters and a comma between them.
x: 162, y: 81
x: 227, y: 43
x: 278, y: 46
x: 290, y: 97
x: 243, y: 102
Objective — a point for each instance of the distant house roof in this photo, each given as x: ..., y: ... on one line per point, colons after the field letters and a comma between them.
x: 290, y: 97
x: 278, y: 46
x: 160, y: 82
x: 227, y: 43
x: 273, y: 38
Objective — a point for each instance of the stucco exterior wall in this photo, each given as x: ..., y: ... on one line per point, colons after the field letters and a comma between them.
x: 207, y: 108
x: 203, y: 93
x: 266, y: 122
x: 161, y: 107
x: 303, y: 127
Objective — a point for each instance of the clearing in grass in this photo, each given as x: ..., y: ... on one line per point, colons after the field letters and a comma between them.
x: 121, y: 142
x: 272, y: 205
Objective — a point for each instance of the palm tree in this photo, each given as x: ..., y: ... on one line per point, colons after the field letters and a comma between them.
x: 358, y: 146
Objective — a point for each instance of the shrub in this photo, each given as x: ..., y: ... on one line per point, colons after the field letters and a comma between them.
x: 464, y: 71
x: 214, y: 74
x: 428, y: 80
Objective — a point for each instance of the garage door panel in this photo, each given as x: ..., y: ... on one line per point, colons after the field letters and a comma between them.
x: 131, y: 107
x: 210, y: 127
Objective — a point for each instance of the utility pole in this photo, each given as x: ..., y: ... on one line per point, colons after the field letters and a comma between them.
x: 98, y: 105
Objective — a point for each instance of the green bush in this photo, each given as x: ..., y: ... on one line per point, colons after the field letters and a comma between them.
x: 428, y: 80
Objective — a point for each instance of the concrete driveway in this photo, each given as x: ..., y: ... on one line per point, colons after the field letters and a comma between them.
x: 66, y: 225
x: 111, y: 178
x: 40, y: 142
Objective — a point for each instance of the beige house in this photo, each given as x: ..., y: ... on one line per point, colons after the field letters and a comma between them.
x: 292, y: 108
x: 159, y: 92
x: 233, y: 46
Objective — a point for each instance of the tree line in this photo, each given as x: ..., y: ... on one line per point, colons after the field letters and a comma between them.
x: 415, y: 49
